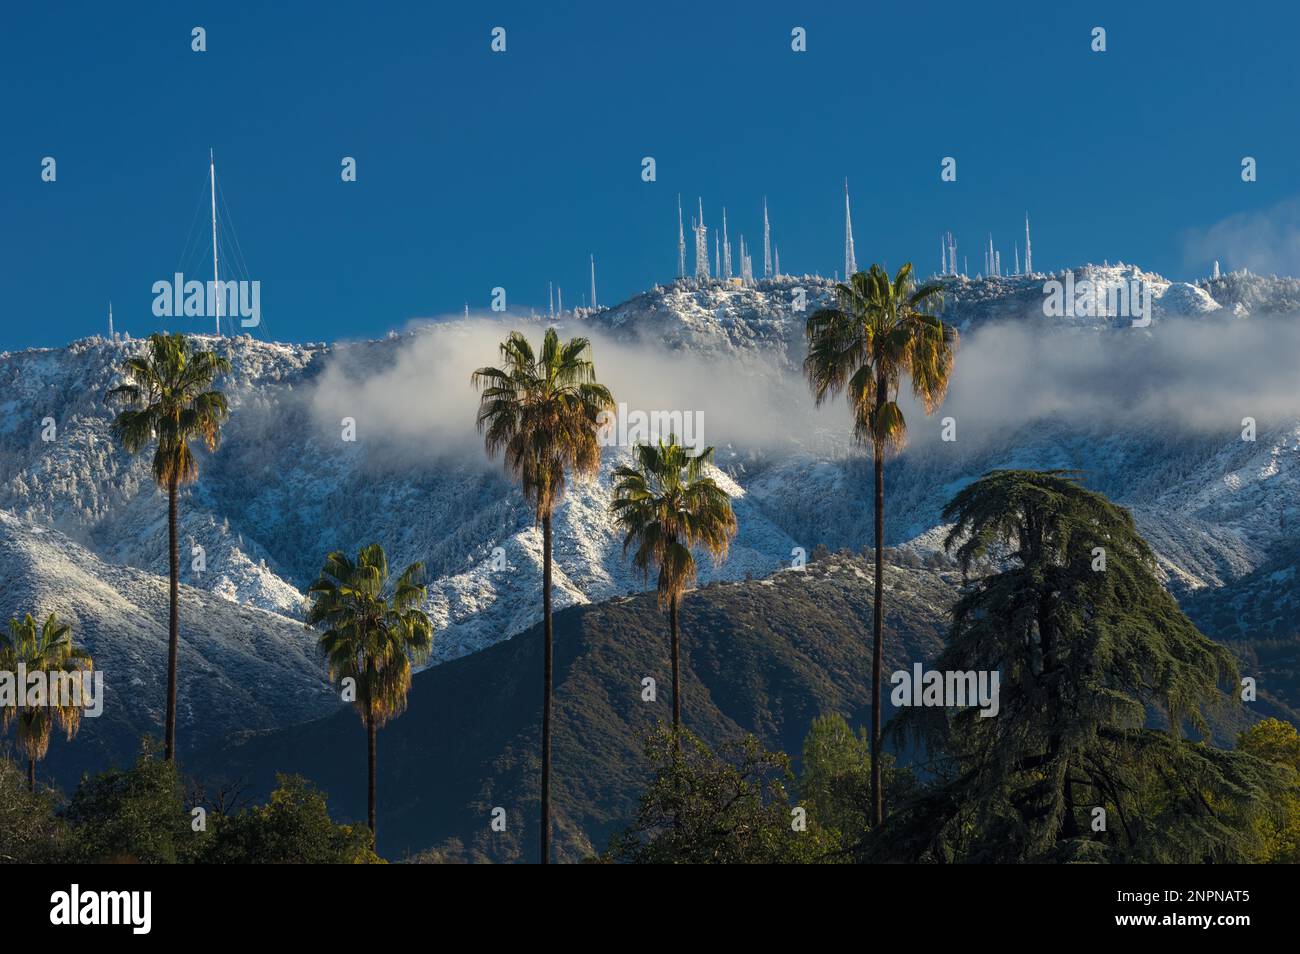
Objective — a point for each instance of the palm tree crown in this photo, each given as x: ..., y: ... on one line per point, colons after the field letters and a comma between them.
x: 46, y: 649
x: 879, y: 331
x: 667, y: 506
x: 542, y: 411
x: 170, y: 400
x: 371, y: 634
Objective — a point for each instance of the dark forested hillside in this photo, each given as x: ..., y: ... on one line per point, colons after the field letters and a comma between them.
x: 766, y: 656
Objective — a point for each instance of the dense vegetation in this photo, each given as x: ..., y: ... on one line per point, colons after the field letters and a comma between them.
x: 146, y: 814
x: 742, y: 805
x: 1068, y: 609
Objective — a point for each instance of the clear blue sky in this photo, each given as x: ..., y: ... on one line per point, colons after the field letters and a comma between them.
x: 479, y: 169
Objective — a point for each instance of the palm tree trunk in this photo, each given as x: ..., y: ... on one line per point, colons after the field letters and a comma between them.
x: 31, y: 775
x: 877, y: 648
x: 173, y: 626
x: 677, y: 681
x: 546, y: 690
x: 370, y: 744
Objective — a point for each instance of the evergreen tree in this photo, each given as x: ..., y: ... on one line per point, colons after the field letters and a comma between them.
x: 135, y: 815
x: 1278, y: 832
x: 30, y: 832
x: 293, y: 827
x: 1069, y: 611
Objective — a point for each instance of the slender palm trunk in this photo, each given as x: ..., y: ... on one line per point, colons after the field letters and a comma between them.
x: 31, y: 775
x: 546, y: 690
x: 877, y: 648
x: 370, y: 744
x: 174, y: 627
x: 677, y: 679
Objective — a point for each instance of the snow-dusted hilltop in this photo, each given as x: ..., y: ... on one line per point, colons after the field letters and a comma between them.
x: 240, y: 667
x: 1153, y: 415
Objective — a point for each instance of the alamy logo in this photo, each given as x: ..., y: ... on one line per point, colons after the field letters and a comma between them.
x: 75, y: 907
x: 179, y: 298
x: 951, y: 689
x: 628, y: 427
x: 42, y: 688
x: 1088, y: 299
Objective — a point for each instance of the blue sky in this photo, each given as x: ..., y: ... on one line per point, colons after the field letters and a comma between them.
x: 478, y: 169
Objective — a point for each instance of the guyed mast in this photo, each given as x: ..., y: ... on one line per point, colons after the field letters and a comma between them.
x: 216, y: 287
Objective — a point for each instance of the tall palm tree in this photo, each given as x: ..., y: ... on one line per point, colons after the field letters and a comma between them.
x: 543, y: 411
x: 371, y: 635
x: 667, y: 506
x: 878, y: 332
x: 47, y: 650
x: 171, y: 403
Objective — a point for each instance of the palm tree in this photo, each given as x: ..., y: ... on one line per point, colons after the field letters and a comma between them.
x: 371, y: 636
x: 667, y: 506
x: 48, y: 651
x: 879, y: 331
x: 543, y: 412
x: 170, y: 401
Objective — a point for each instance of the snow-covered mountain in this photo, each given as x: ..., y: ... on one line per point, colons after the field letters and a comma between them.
x: 84, y: 528
x: 240, y: 667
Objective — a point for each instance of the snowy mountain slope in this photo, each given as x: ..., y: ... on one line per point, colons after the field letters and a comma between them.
x: 279, y: 495
x: 1212, y: 509
x: 240, y: 668
x: 480, y: 605
x: 80, y: 482
x: 970, y: 303
x: 1258, y: 615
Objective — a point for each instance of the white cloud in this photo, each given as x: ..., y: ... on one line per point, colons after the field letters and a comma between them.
x: 414, y: 402
x: 1266, y: 241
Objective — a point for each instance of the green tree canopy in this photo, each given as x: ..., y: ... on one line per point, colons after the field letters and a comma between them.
x: 30, y: 832
x: 134, y: 815
x: 835, y: 782
x: 293, y: 827
x: 1068, y: 609
x: 728, y: 807
x: 1277, y: 832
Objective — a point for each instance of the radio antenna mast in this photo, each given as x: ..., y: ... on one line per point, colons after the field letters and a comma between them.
x: 216, y: 289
